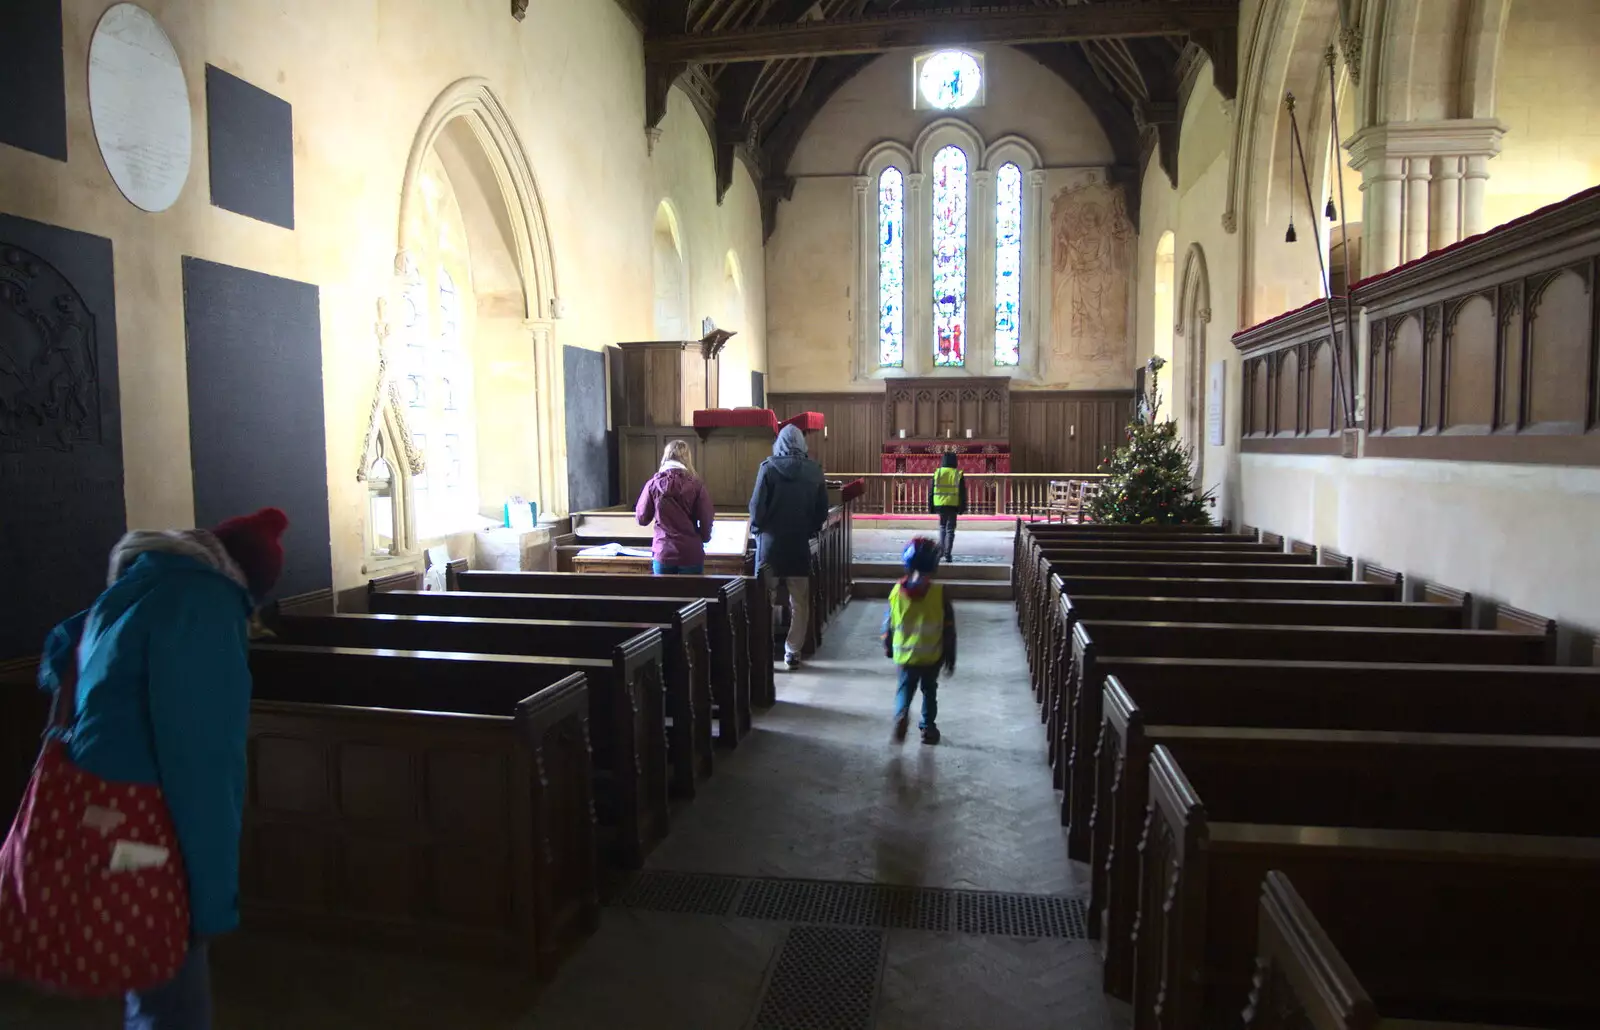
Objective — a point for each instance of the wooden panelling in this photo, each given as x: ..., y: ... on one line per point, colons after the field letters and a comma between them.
x: 1291, y: 385
x: 1050, y: 430
x: 1490, y: 351
x: 853, y: 436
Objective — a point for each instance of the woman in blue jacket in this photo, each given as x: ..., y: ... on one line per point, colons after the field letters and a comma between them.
x: 161, y: 670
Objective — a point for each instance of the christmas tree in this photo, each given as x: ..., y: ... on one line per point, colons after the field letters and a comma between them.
x: 1151, y: 478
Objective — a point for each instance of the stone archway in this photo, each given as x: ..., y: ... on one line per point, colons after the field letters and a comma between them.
x: 1193, y: 315
x: 468, y: 130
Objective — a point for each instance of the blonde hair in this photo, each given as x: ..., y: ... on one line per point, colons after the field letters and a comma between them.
x: 678, y: 451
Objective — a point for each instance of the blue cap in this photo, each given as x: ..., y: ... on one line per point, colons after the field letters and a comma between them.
x: 921, y: 555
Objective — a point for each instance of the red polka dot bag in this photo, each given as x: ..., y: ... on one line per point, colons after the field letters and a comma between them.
x: 93, y: 897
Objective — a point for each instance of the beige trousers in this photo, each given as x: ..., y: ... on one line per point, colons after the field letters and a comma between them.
x: 799, y: 589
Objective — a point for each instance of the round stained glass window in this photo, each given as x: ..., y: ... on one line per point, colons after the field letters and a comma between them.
x: 949, y: 79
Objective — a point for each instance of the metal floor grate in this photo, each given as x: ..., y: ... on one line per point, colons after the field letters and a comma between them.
x: 862, y: 905
x: 826, y: 978
x: 690, y: 893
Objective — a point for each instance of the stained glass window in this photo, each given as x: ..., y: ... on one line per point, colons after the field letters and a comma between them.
x: 950, y: 79
x: 1008, y: 265
x: 891, y: 268
x: 949, y: 256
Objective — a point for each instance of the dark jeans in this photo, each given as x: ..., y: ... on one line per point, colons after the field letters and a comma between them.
x: 947, y: 532
x: 182, y: 1003
x: 913, y: 678
x: 677, y: 570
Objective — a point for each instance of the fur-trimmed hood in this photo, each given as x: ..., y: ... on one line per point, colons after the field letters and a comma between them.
x: 198, y: 544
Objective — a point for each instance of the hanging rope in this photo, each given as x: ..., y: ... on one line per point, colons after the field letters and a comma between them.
x: 1332, y: 58
x: 1322, y: 263
x: 1290, y: 237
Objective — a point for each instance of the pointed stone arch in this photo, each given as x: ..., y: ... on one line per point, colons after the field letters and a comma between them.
x: 469, y: 122
x: 1192, y: 314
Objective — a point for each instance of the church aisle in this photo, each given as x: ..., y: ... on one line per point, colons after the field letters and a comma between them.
x: 782, y: 849
x: 788, y: 895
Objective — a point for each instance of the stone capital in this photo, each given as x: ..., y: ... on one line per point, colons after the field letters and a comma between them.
x: 1458, y: 137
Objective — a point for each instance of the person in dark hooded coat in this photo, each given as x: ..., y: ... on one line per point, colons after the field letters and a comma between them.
x: 787, y: 508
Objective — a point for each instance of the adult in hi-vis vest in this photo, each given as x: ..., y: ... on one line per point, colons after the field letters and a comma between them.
x: 919, y: 633
x: 948, y: 499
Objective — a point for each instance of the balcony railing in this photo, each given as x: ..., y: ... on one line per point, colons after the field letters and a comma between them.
x: 1016, y: 494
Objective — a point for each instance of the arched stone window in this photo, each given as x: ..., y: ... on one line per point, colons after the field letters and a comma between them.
x: 948, y: 250
x: 436, y: 363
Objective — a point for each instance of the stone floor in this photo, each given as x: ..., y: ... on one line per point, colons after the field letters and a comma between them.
x: 816, y: 793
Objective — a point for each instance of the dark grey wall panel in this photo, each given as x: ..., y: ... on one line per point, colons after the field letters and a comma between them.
x: 61, y: 499
x: 588, y: 454
x: 33, y: 93
x: 251, y: 135
x: 255, y: 409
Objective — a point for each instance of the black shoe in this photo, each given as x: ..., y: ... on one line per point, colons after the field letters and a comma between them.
x: 791, y: 662
x: 930, y: 734
x: 902, y: 723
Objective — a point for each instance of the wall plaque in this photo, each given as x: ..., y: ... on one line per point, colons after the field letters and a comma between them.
x: 139, y: 104
x: 1214, y: 403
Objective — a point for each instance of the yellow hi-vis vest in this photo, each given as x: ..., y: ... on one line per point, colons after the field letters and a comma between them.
x: 918, y: 625
x: 946, y: 487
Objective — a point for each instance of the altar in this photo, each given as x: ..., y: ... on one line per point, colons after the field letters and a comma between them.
x: 926, y: 418
x: 922, y: 457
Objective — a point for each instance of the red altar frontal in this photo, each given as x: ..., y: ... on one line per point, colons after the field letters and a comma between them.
x: 922, y: 457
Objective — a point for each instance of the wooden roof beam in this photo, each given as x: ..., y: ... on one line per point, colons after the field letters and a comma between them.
x: 884, y: 32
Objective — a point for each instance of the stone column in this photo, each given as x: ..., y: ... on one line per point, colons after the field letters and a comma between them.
x: 1381, y: 181
x: 1416, y: 206
x: 866, y: 361
x: 1037, y: 276
x: 1472, y: 191
x: 1445, y: 228
x: 1423, y: 183
x: 980, y: 274
x: 550, y: 416
x: 919, y: 285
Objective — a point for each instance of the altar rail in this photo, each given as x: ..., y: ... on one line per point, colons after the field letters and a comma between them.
x: 1015, y: 494
x: 1485, y: 351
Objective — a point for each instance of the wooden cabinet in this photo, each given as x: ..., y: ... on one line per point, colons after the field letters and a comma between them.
x: 726, y: 459
x: 664, y: 382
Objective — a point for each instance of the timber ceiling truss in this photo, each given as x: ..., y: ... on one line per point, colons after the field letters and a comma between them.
x: 758, y: 71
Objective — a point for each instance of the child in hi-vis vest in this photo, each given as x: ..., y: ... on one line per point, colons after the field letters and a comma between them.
x: 919, y: 633
x: 948, y: 499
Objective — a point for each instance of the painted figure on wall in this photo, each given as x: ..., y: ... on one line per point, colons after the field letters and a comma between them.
x: 1091, y: 264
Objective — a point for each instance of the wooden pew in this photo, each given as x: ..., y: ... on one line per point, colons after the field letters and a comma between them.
x: 438, y: 802
x: 1419, y: 960
x: 1172, y: 566
x: 687, y: 617
x: 626, y: 726
x: 1049, y: 641
x: 1363, y: 817
x: 738, y: 623
x: 1051, y: 637
x: 1270, y: 611
x: 627, y: 645
x: 1079, y: 704
x: 1151, y: 701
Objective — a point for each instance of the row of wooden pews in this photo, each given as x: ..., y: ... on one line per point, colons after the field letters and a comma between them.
x: 1221, y: 707
x: 455, y: 770
x: 459, y: 771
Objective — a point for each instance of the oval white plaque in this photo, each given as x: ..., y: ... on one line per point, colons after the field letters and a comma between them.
x: 139, y: 104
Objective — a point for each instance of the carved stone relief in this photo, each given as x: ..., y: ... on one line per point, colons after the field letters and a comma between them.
x: 49, y: 377
x: 387, y: 391
x: 1091, y: 240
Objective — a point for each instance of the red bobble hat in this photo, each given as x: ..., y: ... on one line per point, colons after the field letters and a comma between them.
x: 252, y: 542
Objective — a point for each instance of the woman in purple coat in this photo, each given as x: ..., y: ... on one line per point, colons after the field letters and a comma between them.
x: 681, y: 507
